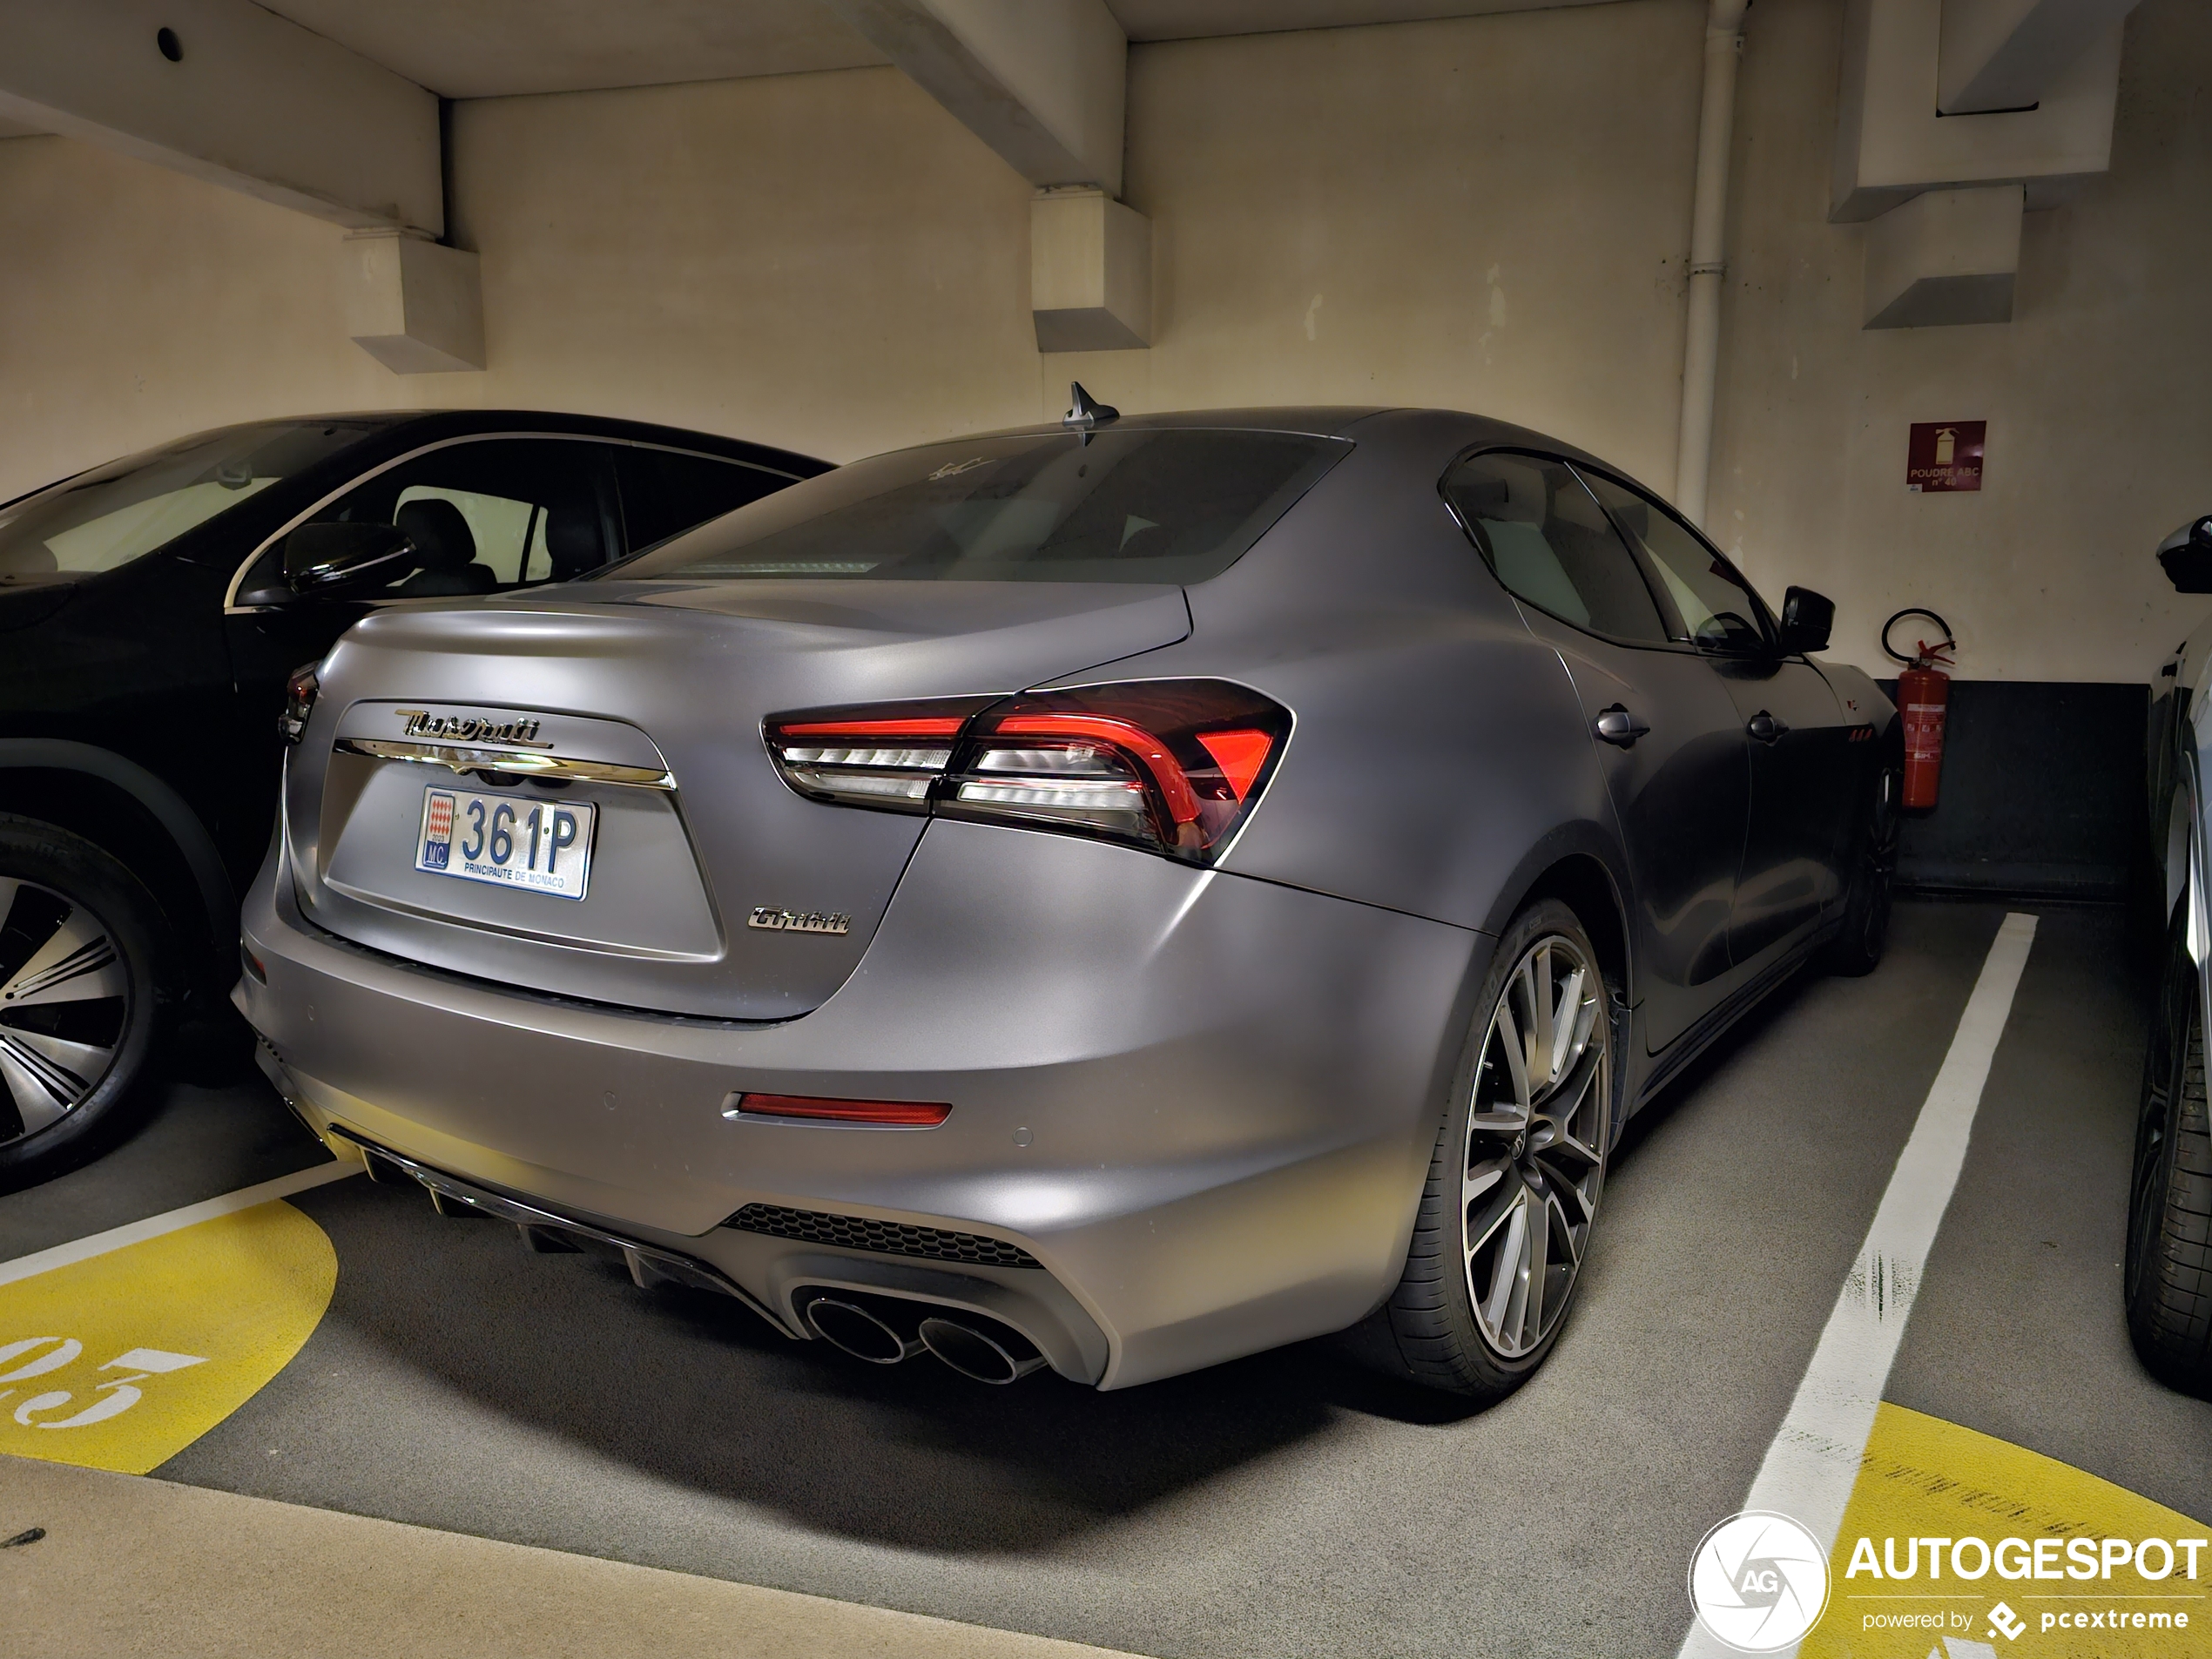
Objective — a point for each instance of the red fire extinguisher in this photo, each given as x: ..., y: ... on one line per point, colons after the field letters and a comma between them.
x: 1923, y: 693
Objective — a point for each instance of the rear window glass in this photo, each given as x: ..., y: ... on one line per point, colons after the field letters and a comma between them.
x: 1161, y: 505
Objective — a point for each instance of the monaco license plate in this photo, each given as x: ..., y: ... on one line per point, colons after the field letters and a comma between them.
x: 537, y: 846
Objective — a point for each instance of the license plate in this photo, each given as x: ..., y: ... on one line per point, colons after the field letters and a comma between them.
x: 538, y: 845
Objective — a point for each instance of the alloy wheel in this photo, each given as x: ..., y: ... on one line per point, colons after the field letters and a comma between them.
x: 64, y: 1003
x: 1536, y: 1138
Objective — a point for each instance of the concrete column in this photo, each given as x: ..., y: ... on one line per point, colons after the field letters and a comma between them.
x: 415, y: 307
x: 1945, y: 256
x: 1090, y: 272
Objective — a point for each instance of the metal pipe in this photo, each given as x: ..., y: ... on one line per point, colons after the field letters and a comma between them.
x: 977, y: 1353
x: 1708, y: 255
x: 859, y: 1332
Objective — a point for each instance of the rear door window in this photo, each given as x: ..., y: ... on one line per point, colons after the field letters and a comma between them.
x: 665, y: 492
x: 1550, y: 543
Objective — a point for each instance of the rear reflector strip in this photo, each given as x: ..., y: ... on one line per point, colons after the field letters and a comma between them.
x: 895, y: 1114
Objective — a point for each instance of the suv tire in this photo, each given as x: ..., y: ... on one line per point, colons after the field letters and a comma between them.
x: 72, y: 921
x: 2168, y: 1274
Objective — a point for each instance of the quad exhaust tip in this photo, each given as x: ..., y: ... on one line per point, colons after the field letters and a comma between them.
x: 976, y: 1354
x: 849, y: 1326
x: 884, y: 1335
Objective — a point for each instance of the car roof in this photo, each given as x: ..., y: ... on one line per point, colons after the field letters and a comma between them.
x: 429, y: 425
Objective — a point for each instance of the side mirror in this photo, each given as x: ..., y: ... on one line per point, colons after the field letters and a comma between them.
x: 1807, y: 620
x: 2187, y: 554
x: 330, y: 560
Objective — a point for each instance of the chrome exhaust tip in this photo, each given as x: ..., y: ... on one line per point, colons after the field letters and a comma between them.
x: 976, y: 1354
x: 854, y: 1330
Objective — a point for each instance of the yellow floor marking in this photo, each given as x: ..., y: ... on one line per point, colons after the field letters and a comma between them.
x: 1924, y: 1479
x: 122, y: 1360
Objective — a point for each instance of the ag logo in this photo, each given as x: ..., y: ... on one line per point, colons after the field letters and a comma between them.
x: 1759, y: 1582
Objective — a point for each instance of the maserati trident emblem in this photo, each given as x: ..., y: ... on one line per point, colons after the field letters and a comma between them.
x: 770, y: 919
x: 471, y: 728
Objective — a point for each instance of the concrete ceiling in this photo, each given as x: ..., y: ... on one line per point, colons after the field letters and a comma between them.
x: 500, y: 48
x: 1192, y: 19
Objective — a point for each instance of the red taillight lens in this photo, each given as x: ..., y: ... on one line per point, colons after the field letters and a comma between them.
x: 1169, y: 765
x: 889, y: 1113
x: 887, y: 757
x: 300, y: 693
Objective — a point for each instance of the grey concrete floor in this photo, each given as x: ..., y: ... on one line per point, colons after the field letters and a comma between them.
x: 1289, y: 1504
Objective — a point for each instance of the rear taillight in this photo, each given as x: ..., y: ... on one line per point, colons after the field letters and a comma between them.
x: 299, y: 704
x: 887, y: 755
x: 1169, y: 765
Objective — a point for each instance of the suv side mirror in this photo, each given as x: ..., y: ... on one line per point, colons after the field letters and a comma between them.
x: 2187, y: 554
x: 1807, y: 620
x: 333, y: 559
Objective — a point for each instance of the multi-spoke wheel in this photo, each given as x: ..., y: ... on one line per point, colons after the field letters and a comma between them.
x: 80, y: 960
x: 1513, y: 1194
x: 1859, y: 945
x: 1535, y: 1155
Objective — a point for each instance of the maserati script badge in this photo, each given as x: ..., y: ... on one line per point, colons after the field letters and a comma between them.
x: 769, y: 919
x: 471, y: 728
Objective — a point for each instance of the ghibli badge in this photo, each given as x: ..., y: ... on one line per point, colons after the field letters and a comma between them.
x: 770, y: 919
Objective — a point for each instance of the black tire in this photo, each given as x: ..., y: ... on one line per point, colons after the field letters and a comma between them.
x: 71, y: 1064
x: 1430, y: 1331
x: 2168, y: 1274
x: 1857, y: 949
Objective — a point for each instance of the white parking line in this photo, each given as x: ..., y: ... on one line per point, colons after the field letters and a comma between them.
x: 153, y: 1226
x: 1810, y: 1468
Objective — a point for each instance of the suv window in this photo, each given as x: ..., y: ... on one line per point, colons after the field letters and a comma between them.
x: 665, y: 492
x: 1549, y: 542
x: 486, y: 515
x: 1717, y: 607
x: 105, y: 518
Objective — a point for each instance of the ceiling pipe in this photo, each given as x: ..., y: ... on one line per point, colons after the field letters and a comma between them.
x: 1708, y: 255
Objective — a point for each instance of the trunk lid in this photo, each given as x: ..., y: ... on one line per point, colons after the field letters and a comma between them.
x: 661, y: 691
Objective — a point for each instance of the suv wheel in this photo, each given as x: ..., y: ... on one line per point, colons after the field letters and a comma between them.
x: 2167, y: 1275
x: 83, y: 996
x: 1506, y: 1221
x: 1857, y: 949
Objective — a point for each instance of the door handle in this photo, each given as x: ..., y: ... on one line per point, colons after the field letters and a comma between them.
x: 1616, y: 725
x: 1765, y: 727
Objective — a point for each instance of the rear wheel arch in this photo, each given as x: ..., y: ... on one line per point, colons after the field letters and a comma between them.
x: 1581, y: 866
x: 141, y: 821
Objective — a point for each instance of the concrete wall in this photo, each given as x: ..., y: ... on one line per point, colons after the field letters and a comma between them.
x: 1491, y: 214
x: 2100, y: 432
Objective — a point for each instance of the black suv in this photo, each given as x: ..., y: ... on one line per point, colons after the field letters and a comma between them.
x: 152, y: 612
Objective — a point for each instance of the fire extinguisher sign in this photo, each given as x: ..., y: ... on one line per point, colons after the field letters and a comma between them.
x: 1945, y: 456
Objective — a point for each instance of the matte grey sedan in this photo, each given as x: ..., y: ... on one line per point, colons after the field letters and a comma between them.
x: 1115, y: 896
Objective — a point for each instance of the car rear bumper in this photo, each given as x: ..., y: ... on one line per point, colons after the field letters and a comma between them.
x: 1205, y: 1105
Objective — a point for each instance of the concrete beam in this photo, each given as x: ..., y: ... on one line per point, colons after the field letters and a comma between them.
x: 2006, y: 54
x: 1945, y: 256
x: 247, y: 100
x: 1090, y: 272
x: 1891, y: 142
x: 1041, y: 82
x: 415, y: 307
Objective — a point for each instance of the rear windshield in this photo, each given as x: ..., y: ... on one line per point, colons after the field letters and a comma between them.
x: 1166, y: 505
x: 111, y: 515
